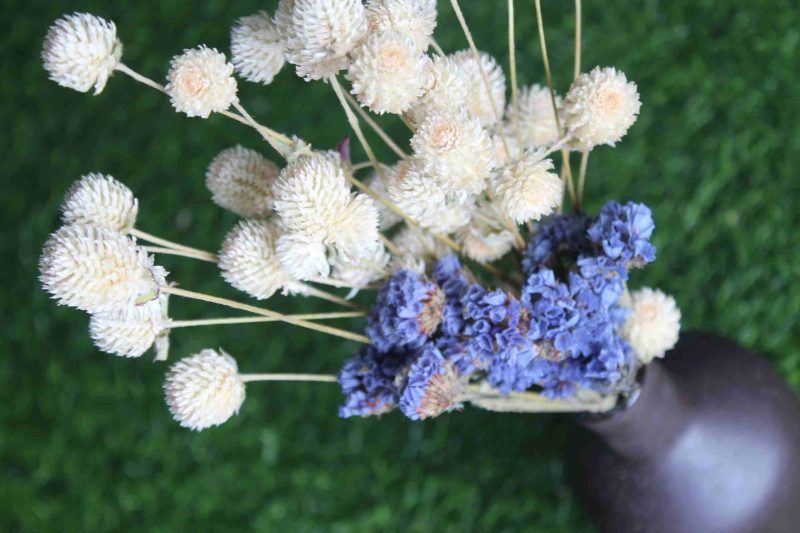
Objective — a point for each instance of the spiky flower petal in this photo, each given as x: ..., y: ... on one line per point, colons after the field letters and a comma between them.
x: 414, y: 18
x: 200, y: 82
x: 482, y: 102
x: 537, y: 122
x: 241, y: 180
x: 303, y: 256
x: 131, y: 332
x: 485, y: 239
x: 101, y: 201
x: 362, y: 271
x: 528, y: 189
x: 256, y: 49
x: 653, y: 325
x: 447, y: 87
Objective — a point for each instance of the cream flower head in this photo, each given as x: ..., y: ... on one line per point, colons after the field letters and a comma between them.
x: 81, y: 51
x: 528, y: 189
x: 600, y: 107
x: 356, y: 233
x: 414, y: 18
x: 303, y: 256
x: 318, y: 35
x: 101, y: 201
x: 256, y: 49
x: 241, y: 181
x: 447, y: 87
x: 387, y: 73
x: 98, y: 270
x: 200, y: 82
x: 455, y: 150
x: 425, y: 201
x: 204, y: 390
x: 481, y: 100
x: 485, y: 239
x: 249, y: 262
x: 131, y: 332
x: 537, y: 122
x: 388, y: 218
x: 360, y: 272
x: 653, y: 325
x: 418, y: 250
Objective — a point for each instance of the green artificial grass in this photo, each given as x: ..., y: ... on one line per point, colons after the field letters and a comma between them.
x: 87, y: 443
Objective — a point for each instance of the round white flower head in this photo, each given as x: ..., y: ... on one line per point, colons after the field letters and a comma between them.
x: 414, y: 18
x: 81, y: 51
x: 528, y: 189
x: 388, y: 73
x: 455, y: 150
x: 363, y: 271
x: 505, y: 153
x: 256, y: 49
x: 131, y: 332
x: 200, y: 82
x: 312, y: 194
x: 317, y: 35
x: 388, y: 218
x: 97, y: 270
x: 447, y: 87
x: 356, y: 233
x: 303, y: 256
x: 418, y: 250
x: 485, y: 239
x: 481, y: 100
x: 537, y: 122
x: 249, y: 262
x: 600, y: 107
x: 425, y: 201
x: 204, y: 390
x: 99, y: 200
x: 241, y: 180
x: 653, y: 325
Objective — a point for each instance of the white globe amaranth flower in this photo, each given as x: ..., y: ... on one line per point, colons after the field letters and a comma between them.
x: 600, y: 107
x: 537, y: 121
x: 455, y: 150
x: 200, y: 82
x: 422, y: 198
x: 98, y: 270
x: 249, y: 262
x: 528, y: 189
x: 485, y: 240
x: 131, y: 332
x: 318, y: 35
x: 241, y: 180
x: 204, y: 390
x: 653, y: 325
x: 414, y: 18
x: 303, y: 256
x: 81, y: 51
x: 256, y: 49
x: 482, y: 102
x: 447, y: 87
x: 418, y: 250
x: 356, y: 234
x: 388, y: 218
x: 100, y: 200
x: 387, y: 73
x: 361, y: 272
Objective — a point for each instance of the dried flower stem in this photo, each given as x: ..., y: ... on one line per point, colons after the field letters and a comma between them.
x: 477, y: 56
x: 512, y: 53
x: 210, y: 258
x: 582, y: 176
x: 281, y: 143
x: 139, y: 234
x: 578, y: 24
x: 375, y: 127
x: 549, y: 76
x: 360, y: 166
x: 323, y: 378
x: 491, y: 399
x: 267, y: 313
x: 322, y: 295
x: 258, y: 319
x: 339, y: 284
x: 436, y: 47
x: 392, y: 247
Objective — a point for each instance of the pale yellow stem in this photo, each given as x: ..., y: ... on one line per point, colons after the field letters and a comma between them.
x: 322, y: 295
x: 322, y: 378
x: 512, y: 53
x: 180, y: 253
x: 139, y: 234
x: 532, y: 402
x: 281, y: 143
x: 375, y: 127
x: 436, y: 47
x: 578, y: 24
x: 582, y: 176
x: 258, y: 319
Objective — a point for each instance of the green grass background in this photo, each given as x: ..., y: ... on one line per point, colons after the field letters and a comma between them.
x: 86, y: 442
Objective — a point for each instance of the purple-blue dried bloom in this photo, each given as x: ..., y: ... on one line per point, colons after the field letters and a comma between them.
x: 433, y: 386
x: 623, y: 232
x: 368, y: 381
x: 557, y: 243
x: 448, y: 274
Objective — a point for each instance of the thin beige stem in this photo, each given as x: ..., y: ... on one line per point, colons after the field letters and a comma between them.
x: 266, y: 312
x: 323, y: 295
x: 360, y: 166
x: 322, y: 378
x: 122, y: 67
x: 392, y: 247
x: 477, y: 56
x: 180, y: 253
x: 375, y: 127
x: 578, y: 24
x: 512, y: 54
x: 139, y: 234
x: 339, y: 284
x: 558, y: 145
x: 532, y: 402
x: 258, y: 319
x: 582, y: 176
x: 436, y: 47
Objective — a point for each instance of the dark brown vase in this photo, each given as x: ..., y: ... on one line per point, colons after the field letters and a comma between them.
x: 711, y: 444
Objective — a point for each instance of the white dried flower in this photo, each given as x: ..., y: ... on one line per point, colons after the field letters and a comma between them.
x: 455, y: 150
x: 421, y: 197
x: 360, y: 272
x: 318, y: 35
x: 249, y: 262
x: 241, y: 180
x: 200, y: 82
x: 508, y: 151
x: 528, y: 189
x: 480, y: 100
x: 387, y: 72
x: 447, y: 87
x: 97, y: 270
x: 81, y: 51
x: 131, y: 332
x: 356, y: 234
x: 99, y: 200
x: 388, y: 218
x: 303, y: 256
x: 485, y: 239
x: 653, y: 325
x: 414, y: 18
x: 600, y: 107
x: 537, y: 122
x: 256, y: 49
x: 418, y: 250
x: 204, y: 390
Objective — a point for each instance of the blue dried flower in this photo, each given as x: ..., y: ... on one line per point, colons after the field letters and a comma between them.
x: 623, y: 232
x: 368, y: 381
x: 433, y: 386
x: 448, y: 274
x: 556, y: 244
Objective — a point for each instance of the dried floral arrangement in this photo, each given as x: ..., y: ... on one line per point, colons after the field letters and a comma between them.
x: 487, y: 290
